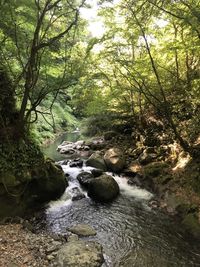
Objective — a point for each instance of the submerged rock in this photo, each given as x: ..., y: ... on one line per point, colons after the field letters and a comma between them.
x: 82, y: 230
x: 103, y: 188
x: 76, y: 194
x: 114, y: 159
x: 80, y: 254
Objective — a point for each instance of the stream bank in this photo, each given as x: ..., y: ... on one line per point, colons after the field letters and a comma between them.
x: 132, y: 229
x: 133, y: 225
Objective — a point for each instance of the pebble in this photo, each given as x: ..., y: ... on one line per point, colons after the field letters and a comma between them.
x: 50, y: 257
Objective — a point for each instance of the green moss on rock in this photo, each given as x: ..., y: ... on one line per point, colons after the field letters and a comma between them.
x: 27, y: 180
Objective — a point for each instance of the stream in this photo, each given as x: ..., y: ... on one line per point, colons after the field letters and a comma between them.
x: 132, y: 234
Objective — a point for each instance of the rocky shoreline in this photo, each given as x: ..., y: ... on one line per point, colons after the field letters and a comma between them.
x: 156, y: 169
x: 22, y: 246
x: 165, y: 170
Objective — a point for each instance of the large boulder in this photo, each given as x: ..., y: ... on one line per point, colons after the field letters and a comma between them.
x: 96, y: 161
x: 30, y: 189
x: 47, y: 184
x: 103, y: 188
x: 80, y: 254
x: 114, y: 159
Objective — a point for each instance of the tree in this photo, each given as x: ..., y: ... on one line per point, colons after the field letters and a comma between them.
x: 34, y: 35
x: 150, y: 59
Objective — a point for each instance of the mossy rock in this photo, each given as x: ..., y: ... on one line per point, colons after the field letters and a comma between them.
x: 50, y: 184
x: 47, y: 183
x: 96, y: 161
x: 191, y: 224
x: 155, y: 169
x: 103, y: 188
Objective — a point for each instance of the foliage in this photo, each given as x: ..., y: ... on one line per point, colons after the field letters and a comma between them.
x: 37, y: 40
x: 146, y: 65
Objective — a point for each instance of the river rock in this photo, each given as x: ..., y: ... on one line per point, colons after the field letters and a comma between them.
x: 96, y: 161
x: 82, y: 230
x: 76, y: 163
x: 85, y: 178
x: 64, y: 144
x: 79, y: 143
x: 67, y: 151
x: 103, y: 188
x: 76, y: 194
x: 114, y: 159
x: 80, y: 254
x: 51, y: 186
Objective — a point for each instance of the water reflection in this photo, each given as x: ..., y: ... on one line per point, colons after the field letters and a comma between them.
x: 51, y: 150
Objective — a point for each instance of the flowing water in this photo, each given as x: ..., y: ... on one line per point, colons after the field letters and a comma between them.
x: 132, y: 234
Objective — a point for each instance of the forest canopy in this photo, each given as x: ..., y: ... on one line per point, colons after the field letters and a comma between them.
x: 144, y: 66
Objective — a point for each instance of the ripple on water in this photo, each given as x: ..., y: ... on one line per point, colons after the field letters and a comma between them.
x: 131, y: 233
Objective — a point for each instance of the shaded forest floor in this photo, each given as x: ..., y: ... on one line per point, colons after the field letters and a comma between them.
x: 21, y: 246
